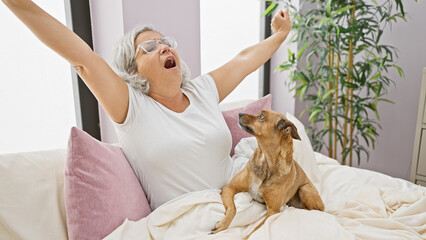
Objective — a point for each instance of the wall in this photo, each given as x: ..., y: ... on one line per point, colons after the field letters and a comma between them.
x: 282, y: 98
x: 112, y: 18
x: 394, y: 147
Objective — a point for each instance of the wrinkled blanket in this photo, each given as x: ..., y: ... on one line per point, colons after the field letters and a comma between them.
x: 359, y: 204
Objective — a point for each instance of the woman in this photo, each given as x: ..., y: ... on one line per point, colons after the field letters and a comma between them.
x: 171, y: 129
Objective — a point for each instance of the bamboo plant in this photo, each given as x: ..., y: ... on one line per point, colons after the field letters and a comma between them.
x: 340, y: 69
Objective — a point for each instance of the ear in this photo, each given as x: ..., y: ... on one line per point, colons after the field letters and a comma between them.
x: 293, y: 131
x: 132, y: 69
x: 288, y: 127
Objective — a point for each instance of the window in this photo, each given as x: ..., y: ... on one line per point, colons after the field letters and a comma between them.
x: 227, y: 27
x: 36, y: 90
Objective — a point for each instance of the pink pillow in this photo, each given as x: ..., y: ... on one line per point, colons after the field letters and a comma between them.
x: 231, y: 118
x: 101, y: 189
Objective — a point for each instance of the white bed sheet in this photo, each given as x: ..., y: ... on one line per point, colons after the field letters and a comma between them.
x: 359, y: 204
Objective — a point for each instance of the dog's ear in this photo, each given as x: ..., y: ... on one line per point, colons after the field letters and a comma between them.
x: 288, y: 127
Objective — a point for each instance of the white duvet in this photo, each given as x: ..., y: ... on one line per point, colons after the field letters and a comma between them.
x: 359, y: 204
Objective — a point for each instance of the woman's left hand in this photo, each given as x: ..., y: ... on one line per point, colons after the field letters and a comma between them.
x: 281, y: 22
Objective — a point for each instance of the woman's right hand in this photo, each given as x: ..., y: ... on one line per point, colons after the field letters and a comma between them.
x: 109, y: 89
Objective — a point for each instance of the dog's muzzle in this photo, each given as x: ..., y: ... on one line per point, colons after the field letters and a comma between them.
x: 243, y: 126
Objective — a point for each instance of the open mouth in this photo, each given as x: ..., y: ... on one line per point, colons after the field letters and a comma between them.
x: 170, y: 63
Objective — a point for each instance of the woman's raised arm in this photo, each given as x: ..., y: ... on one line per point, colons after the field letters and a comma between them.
x: 108, y: 88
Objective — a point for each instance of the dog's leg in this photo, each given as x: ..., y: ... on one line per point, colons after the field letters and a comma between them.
x: 273, y: 205
x: 310, y: 197
x: 228, y: 194
x: 238, y: 184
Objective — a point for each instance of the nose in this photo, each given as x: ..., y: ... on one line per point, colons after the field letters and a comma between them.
x: 163, y: 48
x: 241, y: 114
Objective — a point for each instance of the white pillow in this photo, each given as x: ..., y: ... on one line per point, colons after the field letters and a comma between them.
x: 32, y: 195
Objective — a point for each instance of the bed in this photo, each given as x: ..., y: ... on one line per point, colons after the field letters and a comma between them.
x: 359, y: 204
x: 36, y: 201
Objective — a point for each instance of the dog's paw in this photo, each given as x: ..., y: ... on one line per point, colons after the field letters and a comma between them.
x: 319, y: 206
x: 217, y: 228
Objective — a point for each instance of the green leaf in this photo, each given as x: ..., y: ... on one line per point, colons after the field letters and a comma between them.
x: 335, y: 26
x: 326, y: 121
x: 269, y: 9
x: 400, y: 71
x: 385, y: 100
x: 376, y: 76
x: 298, y: 86
x: 376, y: 112
x: 343, y: 9
x: 284, y: 67
x: 327, y: 94
x: 313, y: 114
x: 401, y: 6
x: 299, y: 54
x: 322, y: 21
x: 301, y: 114
x: 328, y: 8
x: 302, y: 92
x: 291, y: 57
x: 351, y: 85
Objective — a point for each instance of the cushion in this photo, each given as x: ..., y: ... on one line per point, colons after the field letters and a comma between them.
x: 32, y: 195
x: 303, y: 152
x: 101, y: 189
x: 231, y: 118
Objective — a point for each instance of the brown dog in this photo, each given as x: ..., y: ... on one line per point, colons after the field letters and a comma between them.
x: 271, y: 176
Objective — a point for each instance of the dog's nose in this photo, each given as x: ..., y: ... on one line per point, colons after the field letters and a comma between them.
x: 241, y: 114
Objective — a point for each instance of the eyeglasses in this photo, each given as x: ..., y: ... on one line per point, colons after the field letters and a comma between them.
x: 152, y: 45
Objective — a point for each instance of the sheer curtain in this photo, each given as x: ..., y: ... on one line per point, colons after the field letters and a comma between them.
x: 227, y: 27
x: 36, y: 92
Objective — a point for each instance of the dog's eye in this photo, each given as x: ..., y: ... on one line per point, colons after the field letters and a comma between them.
x: 261, y: 117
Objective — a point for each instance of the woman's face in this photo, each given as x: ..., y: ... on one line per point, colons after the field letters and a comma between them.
x: 155, y: 66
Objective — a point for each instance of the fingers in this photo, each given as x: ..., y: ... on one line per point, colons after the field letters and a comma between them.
x: 281, y: 22
x: 282, y: 13
x: 278, y: 14
x: 285, y: 14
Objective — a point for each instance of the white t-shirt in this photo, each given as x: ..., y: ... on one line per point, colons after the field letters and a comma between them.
x: 176, y: 153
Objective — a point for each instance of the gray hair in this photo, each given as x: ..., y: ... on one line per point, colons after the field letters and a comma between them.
x: 123, y: 61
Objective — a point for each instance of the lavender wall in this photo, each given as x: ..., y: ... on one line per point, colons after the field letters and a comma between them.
x: 112, y: 18
x: 394, y: 147
x: 282, y: 98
